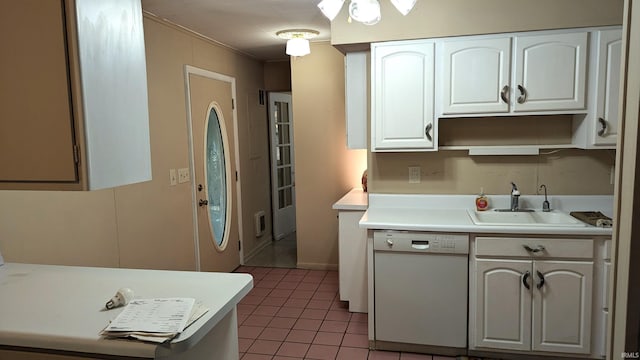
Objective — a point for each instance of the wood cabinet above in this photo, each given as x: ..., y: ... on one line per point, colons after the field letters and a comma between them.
x: 73, y: 110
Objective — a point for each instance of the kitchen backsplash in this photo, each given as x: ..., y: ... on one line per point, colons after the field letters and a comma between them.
x: 564, y: 171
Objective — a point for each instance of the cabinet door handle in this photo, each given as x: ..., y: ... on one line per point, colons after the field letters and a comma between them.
x: 504, y: 94
x: 523, y: 95
x: 603, y: 127
x: 427, y: 131
x: 525, y: 277
x: 541, y: 277
x: 534, y: 250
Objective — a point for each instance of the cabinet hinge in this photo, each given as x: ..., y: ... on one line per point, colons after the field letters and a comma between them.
x: 233, y: 104
x: 76, y: 154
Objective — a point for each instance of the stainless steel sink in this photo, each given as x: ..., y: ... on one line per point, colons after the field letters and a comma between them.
x: 524, y: 218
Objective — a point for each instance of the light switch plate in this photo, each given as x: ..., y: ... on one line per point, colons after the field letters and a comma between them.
x: 173, y: 178
x: 183, y: 175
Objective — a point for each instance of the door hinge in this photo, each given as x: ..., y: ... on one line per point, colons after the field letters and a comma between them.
x: 76, y: 153
x: 239, y: 245
x: 236, y: 176
x: 233, y: 104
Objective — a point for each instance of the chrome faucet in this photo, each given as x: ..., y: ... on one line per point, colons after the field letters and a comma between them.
x: 545, y: 203
x: 515, y: 197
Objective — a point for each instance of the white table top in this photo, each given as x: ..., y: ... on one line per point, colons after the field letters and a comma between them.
x: 60, y: 307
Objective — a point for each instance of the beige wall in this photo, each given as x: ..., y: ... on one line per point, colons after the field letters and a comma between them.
x: 437, y: 18
x: 325, y: 168
x: 147, y: 225
x: 277, y: 76
x: 567, y: 172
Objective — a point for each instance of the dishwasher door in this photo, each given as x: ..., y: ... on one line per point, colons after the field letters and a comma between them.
x: 420, y: 288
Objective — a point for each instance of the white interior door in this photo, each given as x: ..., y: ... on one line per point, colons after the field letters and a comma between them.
x: 214, y: 169
x: 283, y: 192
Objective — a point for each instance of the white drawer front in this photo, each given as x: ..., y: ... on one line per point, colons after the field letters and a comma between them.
x: 534, y: 247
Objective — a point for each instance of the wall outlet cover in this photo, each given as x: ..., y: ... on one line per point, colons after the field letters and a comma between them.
x: 183, y: 175
x: 414, y: 174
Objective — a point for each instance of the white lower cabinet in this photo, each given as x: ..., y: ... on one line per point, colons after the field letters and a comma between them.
x: 532, y: 303
x: 352, y: 253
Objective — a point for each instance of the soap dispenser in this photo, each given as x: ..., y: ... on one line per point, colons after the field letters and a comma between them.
x: 482, y: 201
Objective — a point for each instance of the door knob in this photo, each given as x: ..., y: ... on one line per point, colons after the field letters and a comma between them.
x: 203, y: 202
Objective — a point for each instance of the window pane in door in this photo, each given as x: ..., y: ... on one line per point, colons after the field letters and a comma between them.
x: 283, y: 156
x: 216, y: 178
x: 283, y: 135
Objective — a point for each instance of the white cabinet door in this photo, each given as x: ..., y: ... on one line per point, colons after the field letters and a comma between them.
x: 503, y: 304
x: 403, y: 96
x: 476, y: 75
x: 605, y: 121
x: 562, y: 306
x: 550, y: 72
x: 352, y: 255
x: 355, y: 84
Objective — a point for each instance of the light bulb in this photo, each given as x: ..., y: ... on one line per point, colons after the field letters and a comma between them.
x: 121, y: 298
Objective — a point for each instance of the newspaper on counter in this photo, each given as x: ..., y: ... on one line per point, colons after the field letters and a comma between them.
x: 155, y: 320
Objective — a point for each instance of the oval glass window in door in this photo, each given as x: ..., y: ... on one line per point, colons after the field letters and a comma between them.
x: 216, y: 177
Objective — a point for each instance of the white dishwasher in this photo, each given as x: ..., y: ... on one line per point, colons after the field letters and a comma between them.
x: 420, y: 288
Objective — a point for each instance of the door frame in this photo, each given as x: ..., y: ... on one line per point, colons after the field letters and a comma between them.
x: 192, y: 70
x: 273, y: 167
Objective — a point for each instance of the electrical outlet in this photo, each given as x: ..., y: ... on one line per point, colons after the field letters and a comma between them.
x: 183, y: 175
x: 173, y: 178
x: 414, y: 174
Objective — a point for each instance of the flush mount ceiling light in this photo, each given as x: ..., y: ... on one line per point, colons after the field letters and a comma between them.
x: 297, y: 40
x: 364, y: 11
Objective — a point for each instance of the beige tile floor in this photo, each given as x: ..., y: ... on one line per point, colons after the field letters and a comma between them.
x: 296, y: 314
x: 280, y: 253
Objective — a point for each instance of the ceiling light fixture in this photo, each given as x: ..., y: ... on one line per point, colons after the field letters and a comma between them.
x: 330, y: 8
x: 364, y: 11
x: 297, y: 40
x: 404, y: 6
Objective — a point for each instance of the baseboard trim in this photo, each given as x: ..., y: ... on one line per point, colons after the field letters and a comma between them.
x: 317, y: 266
x: 261, y: 245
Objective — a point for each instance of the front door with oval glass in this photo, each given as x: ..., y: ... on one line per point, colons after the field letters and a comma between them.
x: 215, y: 172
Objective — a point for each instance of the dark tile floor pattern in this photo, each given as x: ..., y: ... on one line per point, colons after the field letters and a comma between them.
x: 297, y: 314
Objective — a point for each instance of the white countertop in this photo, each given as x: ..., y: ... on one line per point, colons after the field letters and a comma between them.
x: 448, y: 213
x: 356, y: 199
x: 60, y: 307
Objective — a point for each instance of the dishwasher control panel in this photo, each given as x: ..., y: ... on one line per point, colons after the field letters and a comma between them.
x: 420, y: 242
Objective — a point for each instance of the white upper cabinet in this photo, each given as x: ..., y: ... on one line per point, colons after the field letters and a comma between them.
x: 402, y: 100
x: 599, y: 127
x: 502, y: 74
x: 355, y: 84
x: 77, y: 83
x: 477, y: 74
x: 604, y: 123
x: 550, y: 72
